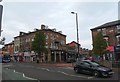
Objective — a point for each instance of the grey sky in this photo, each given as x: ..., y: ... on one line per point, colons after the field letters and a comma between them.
x: 25, y: 16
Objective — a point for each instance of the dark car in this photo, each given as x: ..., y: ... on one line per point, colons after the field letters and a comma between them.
x: 92, y: 68
x: 6, y: 59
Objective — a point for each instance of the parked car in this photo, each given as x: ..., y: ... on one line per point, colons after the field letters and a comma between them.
x: 92, y: 68
x: 6, y: 59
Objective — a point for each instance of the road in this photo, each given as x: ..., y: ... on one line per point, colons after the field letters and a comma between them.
x: 30, y: 71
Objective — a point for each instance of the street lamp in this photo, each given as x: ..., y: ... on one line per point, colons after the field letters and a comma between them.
x: 77, y: 29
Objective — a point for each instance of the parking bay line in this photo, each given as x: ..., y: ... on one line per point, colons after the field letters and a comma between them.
x: 67, y: 73
x: 75, y: 75
x: 71, y: 68
x: 28, y: 77
x: 22, y: 74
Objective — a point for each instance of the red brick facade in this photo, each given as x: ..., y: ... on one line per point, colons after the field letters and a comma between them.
x: 110, y: 31
x: 55, y: 43
x: 9, y: 48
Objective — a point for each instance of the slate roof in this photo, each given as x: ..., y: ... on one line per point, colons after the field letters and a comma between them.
x: 109, y: 24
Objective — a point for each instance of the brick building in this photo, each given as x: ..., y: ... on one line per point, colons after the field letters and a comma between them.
x: 55, y: 44
x: 111, y: 33
x: 9, y: 48
x: 16, y: 44
x: 72, y: 49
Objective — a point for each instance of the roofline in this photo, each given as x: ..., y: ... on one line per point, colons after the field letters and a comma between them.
x: 53, y: 31
x: 40, y: 30
x: 117, y: 22
x: 9, y: 43
x: 73, y: 42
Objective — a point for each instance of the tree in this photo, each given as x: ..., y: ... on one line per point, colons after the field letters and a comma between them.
x: 39, y: 43
x: 99, y: 46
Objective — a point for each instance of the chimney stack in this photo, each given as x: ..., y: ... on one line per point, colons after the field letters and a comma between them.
x: 43, y: 26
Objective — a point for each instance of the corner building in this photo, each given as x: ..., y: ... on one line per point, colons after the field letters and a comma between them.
x: 55, y: 44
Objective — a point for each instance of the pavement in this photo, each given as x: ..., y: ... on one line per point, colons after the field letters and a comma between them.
x: 59, y: 64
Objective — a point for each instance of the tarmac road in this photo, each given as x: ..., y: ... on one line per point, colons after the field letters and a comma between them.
x: 46, y: 72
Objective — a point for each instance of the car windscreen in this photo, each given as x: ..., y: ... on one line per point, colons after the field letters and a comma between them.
x: 95, y: 64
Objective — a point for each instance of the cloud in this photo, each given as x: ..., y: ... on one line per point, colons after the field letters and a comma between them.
x: 61, y: 0
x: 26, y: 16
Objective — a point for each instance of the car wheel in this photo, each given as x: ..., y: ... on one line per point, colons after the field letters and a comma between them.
x: 76, y: 70
x: 96, y: 73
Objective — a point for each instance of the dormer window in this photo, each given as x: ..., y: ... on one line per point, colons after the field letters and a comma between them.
x: 98, y: 30
x: 104, y: 31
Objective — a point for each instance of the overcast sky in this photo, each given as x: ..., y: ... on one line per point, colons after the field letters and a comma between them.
x: 25, y: 16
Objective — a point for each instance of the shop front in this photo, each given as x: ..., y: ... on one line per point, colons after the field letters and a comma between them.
x: 117, y: 53
x: 58, y: 56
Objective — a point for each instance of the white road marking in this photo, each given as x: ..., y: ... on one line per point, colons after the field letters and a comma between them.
x: 66, y: 68
x: 45, y: 69
x: 90, y: 77
x: 6, y: 65
x: 28, y: 77
x: 75, y: 75
x: 67, y: 73
x: 17, y: 72
x: 7, y: 68
x: 52, y: 71
x: 24, y: 75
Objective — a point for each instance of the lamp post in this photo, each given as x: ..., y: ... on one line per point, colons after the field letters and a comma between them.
x: 77, y: 30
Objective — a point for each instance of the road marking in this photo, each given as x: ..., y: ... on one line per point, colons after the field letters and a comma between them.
x: 67, y: 73
x: 45, y: 69
x: 75, y: 75
x: 66, y: 68
x: 17, y: 72
x: 7, y: 68
x: 29, y: 78
x: 6, y: 65
x: 90, y: 77
x: 25, y: 76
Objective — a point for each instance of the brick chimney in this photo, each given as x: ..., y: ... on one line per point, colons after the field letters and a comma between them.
x: 43, y: 26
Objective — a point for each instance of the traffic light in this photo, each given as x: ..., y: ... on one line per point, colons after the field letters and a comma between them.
x: 1, y: 10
